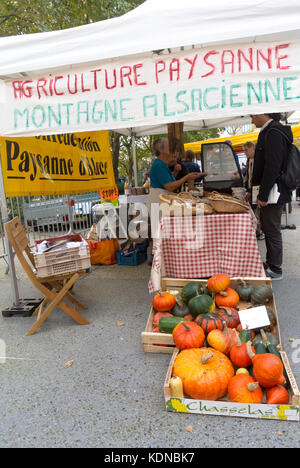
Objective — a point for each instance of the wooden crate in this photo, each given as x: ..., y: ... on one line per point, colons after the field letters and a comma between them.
x: 224, y: 407
x: 58, y: 262
x: 156, y: 342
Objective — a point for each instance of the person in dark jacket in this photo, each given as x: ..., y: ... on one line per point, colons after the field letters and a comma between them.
x: 269, y: 162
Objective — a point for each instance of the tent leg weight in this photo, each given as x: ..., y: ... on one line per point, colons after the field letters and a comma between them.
x: 25, y: 308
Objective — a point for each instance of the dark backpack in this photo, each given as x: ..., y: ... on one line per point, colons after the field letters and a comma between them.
x: 290, y: 176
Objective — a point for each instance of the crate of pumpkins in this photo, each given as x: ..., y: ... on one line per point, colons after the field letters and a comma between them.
x: 210, y: 304
x: 218, y: 367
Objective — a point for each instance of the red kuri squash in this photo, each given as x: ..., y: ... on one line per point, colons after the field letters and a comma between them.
x: 243, y: 389
x: 188, y: 335
x: 278, y: 395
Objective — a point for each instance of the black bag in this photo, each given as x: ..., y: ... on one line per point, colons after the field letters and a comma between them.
x: 290, y: 176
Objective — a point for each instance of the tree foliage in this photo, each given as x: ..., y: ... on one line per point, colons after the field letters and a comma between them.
x: 32, y: 16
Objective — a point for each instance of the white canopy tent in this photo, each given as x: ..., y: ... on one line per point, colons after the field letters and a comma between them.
x: 207, y: 64
x: 157, y: 32
x: 155, y: 25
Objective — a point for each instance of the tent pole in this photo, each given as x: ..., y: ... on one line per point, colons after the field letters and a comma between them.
x: 133, y: 135
x: 10, y: 257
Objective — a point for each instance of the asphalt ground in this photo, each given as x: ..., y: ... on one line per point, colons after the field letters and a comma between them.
x: 112, y: 395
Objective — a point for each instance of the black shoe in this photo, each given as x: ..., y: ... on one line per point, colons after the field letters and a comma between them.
x: 274, y: 276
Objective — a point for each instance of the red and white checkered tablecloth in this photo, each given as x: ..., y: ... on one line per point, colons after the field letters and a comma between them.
x: 202, y: 246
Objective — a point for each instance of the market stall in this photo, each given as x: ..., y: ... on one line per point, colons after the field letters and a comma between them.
x: 211, y: 244
x: 198, y: 68
x: 219, y: 233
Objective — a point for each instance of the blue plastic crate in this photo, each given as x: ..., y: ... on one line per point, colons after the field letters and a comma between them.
x: 136, y: 258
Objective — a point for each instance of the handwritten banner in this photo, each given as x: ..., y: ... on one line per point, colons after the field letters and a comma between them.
x: 203, y: 83
x: 57, y: 164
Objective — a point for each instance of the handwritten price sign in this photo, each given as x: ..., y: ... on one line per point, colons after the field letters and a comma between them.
x: 109, y: 194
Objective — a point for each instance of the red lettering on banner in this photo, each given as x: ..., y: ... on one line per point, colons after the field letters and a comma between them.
x: 268, y: 59
x: 137, y: 75
x: 175, y: 69
x: 83, y: 89
x: 125, y: 72
x: 51, y: 86
x: 115, y: 80
x: 75, y: 85
x: 27, y: 88
x: 159, y: 70
x: 212, y: 66
x: 55, y: 82
x: 249, y: 60
x: 41, y: 85
x: 18, y: 89
x: 225, y: 62
x: 95, y: 77
x: 22, y: 89
x: 282, y: 57
x: 192, y: 63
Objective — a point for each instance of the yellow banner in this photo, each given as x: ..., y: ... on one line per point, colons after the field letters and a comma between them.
x: 57, y: 164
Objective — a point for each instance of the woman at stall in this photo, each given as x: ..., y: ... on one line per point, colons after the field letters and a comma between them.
x: 161, y: 178
x: 162, y: 181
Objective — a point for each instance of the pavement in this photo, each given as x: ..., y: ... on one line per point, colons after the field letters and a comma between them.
x: 112, y: 395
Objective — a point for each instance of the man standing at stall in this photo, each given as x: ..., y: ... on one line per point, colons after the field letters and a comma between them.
x: 270, y: 161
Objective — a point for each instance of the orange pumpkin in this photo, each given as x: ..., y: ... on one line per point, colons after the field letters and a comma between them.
x: 227, y: 298
x: 233, y: 336
x: 230, y: 316
x: 220, y: 340
x: 163, y: 301
x: 278, y: 395
x: 188, y: 335
x: 209, y: 322
x: 239, y: 354
x: 267, y: 368
x: 218, y: 283
x: 158, y: 316
x: 188, y: 317
x: 205, y: 373
x: 243, y: 389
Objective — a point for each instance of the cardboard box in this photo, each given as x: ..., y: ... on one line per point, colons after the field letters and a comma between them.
x: 139, y: 191
x: 163, y: 342
x: 224, y: 407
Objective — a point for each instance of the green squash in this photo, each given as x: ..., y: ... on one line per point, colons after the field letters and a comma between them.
x: 245, y: 336
x: 180, y: 309
x: 272, y: 339
x: 207, y: 292
x: 244, y: 291
x: 262, y: 295
x: 272, y: 318
x: 167, y: 324
x: 203, y: 304
x: 260, y: 348
x: 191, y: 290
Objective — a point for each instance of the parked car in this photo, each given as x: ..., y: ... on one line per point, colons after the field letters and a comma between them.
x: 55, y: 213
x: 45, y: 214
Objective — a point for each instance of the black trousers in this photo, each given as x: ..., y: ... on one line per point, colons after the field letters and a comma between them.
x: 270, y: 218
